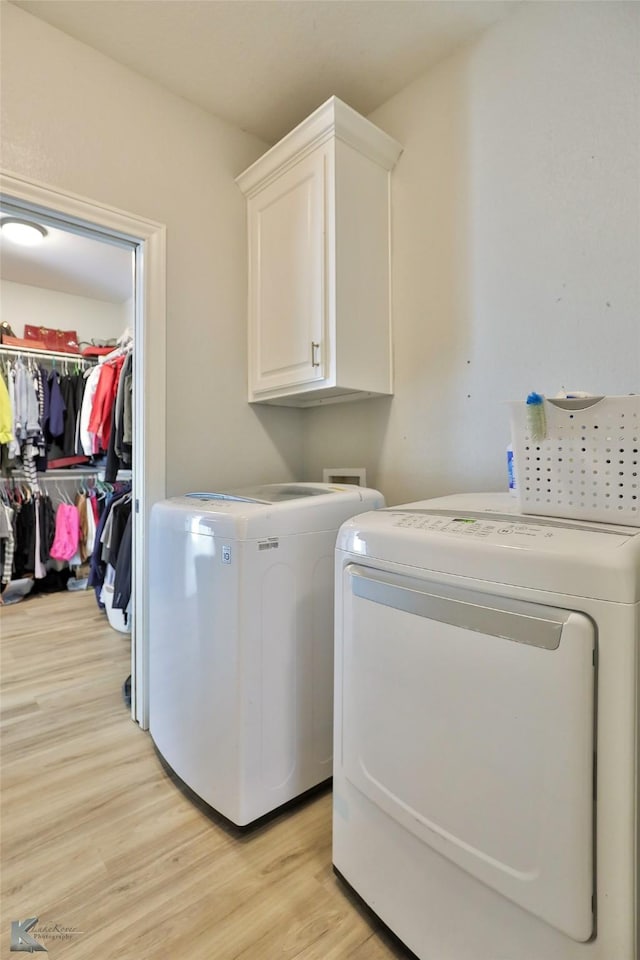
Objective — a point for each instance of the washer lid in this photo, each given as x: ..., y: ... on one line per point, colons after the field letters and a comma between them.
x: 483, y: 537
x: 271, y: 492
x: 269, y: 510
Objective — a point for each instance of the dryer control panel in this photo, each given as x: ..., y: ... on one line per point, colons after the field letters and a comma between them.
x: 482, y: 536
x: 505, y: 528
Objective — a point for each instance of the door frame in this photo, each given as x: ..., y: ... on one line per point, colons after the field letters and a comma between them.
x: 149, y: 376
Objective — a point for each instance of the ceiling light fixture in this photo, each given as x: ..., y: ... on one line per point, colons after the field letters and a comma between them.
x: 24, y: 232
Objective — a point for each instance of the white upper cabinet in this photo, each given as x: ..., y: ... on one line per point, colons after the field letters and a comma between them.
x: 319, y: 298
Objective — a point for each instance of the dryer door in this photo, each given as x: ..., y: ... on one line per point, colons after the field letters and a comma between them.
x: 469, y: 719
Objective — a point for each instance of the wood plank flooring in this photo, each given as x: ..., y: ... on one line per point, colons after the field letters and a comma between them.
x: 99, y: 840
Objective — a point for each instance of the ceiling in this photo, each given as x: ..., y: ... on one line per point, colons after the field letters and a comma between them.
x: 69, y: 263
x: 261, y: 65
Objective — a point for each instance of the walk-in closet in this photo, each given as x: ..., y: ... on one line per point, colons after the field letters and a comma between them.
x: 67, y: 321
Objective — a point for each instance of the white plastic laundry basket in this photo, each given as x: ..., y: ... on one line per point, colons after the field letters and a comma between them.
x: 587, y: 465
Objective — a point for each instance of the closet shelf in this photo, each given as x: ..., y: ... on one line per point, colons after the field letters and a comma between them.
x: 48, y: 354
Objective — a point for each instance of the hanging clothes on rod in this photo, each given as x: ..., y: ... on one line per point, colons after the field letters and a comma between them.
x: 106, y: 415
x: 111, y: 558
x: 74, y: 410
x: 120, y: 448
x: 7, y: 543
x: 32, y: 528
x: 67, y: 411
x: 44, y: 389
x: 52, y: 529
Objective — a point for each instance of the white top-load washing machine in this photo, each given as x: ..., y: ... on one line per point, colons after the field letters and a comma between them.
x: 241, y: 639
x: 487, y: 731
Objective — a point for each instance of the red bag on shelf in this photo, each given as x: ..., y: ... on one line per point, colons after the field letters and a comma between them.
x: 97, y: 351
x: 62, y: 341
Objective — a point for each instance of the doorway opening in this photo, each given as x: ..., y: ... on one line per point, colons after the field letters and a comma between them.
x: 145, y: 241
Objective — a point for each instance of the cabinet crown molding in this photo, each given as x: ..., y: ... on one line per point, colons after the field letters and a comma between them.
x: 333, y: 119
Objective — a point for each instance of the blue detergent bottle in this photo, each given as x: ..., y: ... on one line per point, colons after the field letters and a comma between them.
x: 511, y: 471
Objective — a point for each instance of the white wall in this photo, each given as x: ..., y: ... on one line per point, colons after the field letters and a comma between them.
x: 516, y: 247
x: 91, y: 319
x: 74, y: 119
x: 515, y: 239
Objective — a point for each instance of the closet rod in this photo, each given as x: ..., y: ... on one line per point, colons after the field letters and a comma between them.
x: 51, y: 354
x: 69, y: 473
x: 51, y: 476
x: 56, y: 474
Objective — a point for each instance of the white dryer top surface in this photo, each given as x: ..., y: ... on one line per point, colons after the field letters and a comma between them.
x: 486, y: 537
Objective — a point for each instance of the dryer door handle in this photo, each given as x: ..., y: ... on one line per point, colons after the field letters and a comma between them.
x: 519, y: 621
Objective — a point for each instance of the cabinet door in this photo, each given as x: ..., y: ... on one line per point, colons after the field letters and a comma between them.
x: 287, y: 300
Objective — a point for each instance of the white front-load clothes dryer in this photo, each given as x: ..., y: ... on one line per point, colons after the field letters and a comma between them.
x: 241, y: 640
x: 487, y: 739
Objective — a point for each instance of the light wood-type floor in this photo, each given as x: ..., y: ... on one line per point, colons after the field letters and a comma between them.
x: 97, y: 838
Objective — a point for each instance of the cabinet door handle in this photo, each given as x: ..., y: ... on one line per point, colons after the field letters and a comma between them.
x: 314, y: 354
